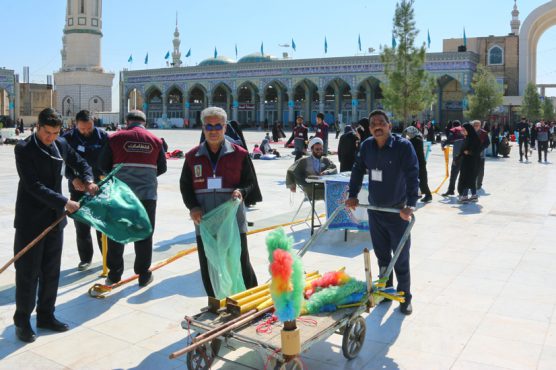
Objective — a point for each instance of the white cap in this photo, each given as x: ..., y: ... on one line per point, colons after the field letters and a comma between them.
x: 315, y: 140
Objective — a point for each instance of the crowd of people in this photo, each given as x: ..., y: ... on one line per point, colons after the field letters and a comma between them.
x: 219, y: 169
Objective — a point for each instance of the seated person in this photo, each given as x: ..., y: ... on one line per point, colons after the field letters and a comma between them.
x: 257, y: 153
x: 315, y: 165
x: 266, y: 148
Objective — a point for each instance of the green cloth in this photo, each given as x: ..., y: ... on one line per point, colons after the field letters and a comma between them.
x: 222, y: 245
x: 115, y: 211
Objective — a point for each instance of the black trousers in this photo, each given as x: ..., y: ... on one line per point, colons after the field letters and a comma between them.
x: 143, y: 251
x: 38, y: 268
x: 249, y: 277
x: 423, y: 181
x: 521, y: 152
x: 386, y: 232
x: 495, y: 148
x: 480, y: 173
x: 83, y: 233
x: 454, y: 172
x: 542, y: 147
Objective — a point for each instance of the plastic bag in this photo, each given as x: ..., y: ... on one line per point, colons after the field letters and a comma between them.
x: 220, y: 234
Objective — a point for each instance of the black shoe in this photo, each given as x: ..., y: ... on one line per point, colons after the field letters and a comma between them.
x: 25, y: 333
x: 52, y: 324
x: 83, y: 266
x: 109, y: 281
x: 250, y: 223
x: 427, y: 199
x: 448, y: 193
x: 143, y: 282
x: 406, y: 308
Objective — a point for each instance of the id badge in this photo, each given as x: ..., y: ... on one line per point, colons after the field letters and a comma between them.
x: 376, y: 175
x: 63, y: 170
x: 81, y: 148
x: 214, y: 183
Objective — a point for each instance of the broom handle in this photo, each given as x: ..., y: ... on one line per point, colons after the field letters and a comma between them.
x: 33, y: 242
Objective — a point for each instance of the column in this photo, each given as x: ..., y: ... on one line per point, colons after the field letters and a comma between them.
x: 185, y: 111
x: 164, y: 106
x: 439, y: 108
x: 308, y: 101
x: 337, y: 103
x: 321, y: 100
x: 11, y: 106
x: 291, y: 104
x: 261, y: 111
x: 280, y: 106
x: 235, y: 105
x: 354, y: 105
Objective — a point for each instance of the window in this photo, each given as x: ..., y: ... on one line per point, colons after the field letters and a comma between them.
x: 94, y: 22
x: 82, y: 21
x: 70, y: 21
x: 82, y: 6
x: 495, y: 55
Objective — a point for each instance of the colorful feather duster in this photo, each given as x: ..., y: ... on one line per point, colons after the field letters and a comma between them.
x: 288, y: 282
x: 332, y: 278
x: 327, y: 299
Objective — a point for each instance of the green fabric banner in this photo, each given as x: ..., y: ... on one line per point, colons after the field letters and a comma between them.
x: 115, y: 211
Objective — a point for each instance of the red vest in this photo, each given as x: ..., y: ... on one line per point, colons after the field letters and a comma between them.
x: 228, y: 167
x: 135, y: 145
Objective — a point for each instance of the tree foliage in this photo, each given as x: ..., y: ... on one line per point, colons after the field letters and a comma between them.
x: 531, y: 105
x: 548, y: 109
x: 409, y: 89
x: 487, y: 94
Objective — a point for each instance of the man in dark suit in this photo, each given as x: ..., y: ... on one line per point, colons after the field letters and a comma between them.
x: 40, y: 161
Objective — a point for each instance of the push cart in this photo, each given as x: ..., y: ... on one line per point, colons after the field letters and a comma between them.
x: 347, y: 322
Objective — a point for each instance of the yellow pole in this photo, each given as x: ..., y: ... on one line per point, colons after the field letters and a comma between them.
x: 447, y: 160
x: 104, y: 241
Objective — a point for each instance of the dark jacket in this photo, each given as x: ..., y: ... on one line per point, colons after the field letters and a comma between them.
x: 470, y: 161
x: 88, y: 148
x: 347, y: 149
x: 419, y: 147
x: 39, y: 199
x: 523, y: 129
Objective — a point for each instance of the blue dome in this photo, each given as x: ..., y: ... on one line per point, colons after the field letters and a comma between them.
x: 219, y: 60
x: 257, y: 58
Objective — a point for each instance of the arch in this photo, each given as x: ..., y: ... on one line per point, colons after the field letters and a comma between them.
x: 247, y: 98
x: 536, y: 23
x: 196, y: 102
x: 153, y: 103
x: 495, y: 55
x: 451, y: 99
x: 337, y: 100
x: 96, y: 104
x: 135, y: 99
x: 274, y: 98
x: 174, y: 102
x: 68, y: 106
x: 221, y: 96
x: 198, y: 86
x: 174, y: 87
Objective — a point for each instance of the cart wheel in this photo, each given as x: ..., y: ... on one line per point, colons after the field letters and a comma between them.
x: 354, y: 337
x: 294, y: 364
x: 203, y: 356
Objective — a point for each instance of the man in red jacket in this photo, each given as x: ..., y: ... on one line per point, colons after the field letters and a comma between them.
x: 143, y: 158
x: 322, y: 131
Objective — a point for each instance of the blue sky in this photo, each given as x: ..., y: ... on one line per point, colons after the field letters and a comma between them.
x: 138, y: 27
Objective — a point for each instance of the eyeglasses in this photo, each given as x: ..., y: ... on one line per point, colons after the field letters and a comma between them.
x: 216, y: 127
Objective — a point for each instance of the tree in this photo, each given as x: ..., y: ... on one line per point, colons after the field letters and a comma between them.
x: 487, y: 94
x: 409, y: 88
x: 531, y: 104
x: 547, y: 109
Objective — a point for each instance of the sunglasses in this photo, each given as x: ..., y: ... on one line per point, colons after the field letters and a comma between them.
x: 217, y: 127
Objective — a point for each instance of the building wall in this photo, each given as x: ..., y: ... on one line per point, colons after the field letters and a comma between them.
x: 509, y: 71
x: 34, y: 98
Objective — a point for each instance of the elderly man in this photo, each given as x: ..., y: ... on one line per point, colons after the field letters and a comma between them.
x: 214, y: 172
x: 87, y: 140
x: 314, y: 165
x: 40, y: 160
x: 142, y: 155
x: 393, y: 182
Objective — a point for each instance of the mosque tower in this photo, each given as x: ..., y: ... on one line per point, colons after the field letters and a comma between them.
x: 515, y: 23
x: 176, y: 55
x: 81, y: 83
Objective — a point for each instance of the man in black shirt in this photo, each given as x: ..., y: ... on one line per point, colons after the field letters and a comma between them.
x: 523, y: 130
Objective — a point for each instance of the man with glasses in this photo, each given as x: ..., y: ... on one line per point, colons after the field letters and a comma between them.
x: 87, y: 140
x: 393, y: 183
x: 40, y: 161
x: 213, y: 173
x: 142, y: 155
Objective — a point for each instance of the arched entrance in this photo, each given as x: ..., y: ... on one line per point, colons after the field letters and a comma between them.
x: 197, y: 102
x: 222, y: 97
x: 450, y: 103
x: 68, y: 107
x: 174, y: 103
x: 96, y: 104
x: 153, y: 104
x: 273, y: 103
x: 134, y: 100
x: 531, y: 31
x: 247, y: 99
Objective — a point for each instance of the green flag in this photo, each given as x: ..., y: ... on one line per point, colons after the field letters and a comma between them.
x: 115, y: 211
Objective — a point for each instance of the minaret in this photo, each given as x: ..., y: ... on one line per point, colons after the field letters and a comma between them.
x: 81, y: 82
x: 515, y: 23
x: 176, y: 55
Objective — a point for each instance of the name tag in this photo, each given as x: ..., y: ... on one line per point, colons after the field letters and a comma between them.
x: 214, y: 183
x: 376, y: 175
x: 81, y: 148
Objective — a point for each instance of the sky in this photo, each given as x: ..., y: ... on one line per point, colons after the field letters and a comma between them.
x: 32, y: 30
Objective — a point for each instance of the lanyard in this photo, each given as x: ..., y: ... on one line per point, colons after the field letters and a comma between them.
x: 59, y: 158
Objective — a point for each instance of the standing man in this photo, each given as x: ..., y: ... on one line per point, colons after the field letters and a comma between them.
x: 456, y: 138
x: 87, y: 140
x: 485, y: 143
x: 393, y: 182
x: 322, y: 132
x: 143, y: 159
x: 299, y: 137
x: 523, y: 137
x: 213, y: 173
x: 543, y: 132
x: 40, y: 160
